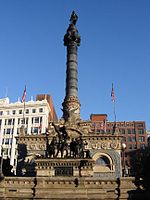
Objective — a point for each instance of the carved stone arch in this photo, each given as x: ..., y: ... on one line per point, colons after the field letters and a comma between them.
x: 103, y: 162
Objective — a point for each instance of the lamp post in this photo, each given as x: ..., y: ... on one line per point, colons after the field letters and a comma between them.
x: 123, y: 158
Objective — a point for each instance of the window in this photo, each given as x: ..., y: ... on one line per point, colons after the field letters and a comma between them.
x: 27, y: 111
x: 1, y: 112
x: 13, y: 112
x: 36, y: 120
x: 122, y: 131
x: 133, y: 139
x: 141, y: 139
x: 133, y: 131
x: 40, y: 110
x: 20, y: 111
x: 8, y: 131
x: 6, y: 141
x: 34, y: 130
x: 140, y: 131
x: 0, y: 122
x: 33, y: 110
x: 129, y: 131
x: 9, y: 121
x: 129, y: 139
x: 139, y: 125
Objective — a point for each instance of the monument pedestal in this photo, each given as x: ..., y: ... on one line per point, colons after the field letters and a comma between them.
x: 76, y: 167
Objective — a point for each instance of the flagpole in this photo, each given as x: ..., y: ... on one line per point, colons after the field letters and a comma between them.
x: 115, y: 112
x: 113, y: 100
x: 23, y: 101
x: 24, y: 112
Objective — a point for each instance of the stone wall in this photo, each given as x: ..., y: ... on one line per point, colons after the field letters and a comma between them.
x: 23, y: 188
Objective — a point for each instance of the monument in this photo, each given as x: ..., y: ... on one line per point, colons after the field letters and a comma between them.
x: 69, y: 160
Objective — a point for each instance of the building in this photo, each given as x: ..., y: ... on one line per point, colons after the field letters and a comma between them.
x: 33, y: 115
x: 133, y: 133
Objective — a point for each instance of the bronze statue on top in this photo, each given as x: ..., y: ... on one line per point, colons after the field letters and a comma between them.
x: 73, y: 18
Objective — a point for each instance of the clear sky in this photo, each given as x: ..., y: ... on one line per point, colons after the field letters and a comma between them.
x: 115, y: 48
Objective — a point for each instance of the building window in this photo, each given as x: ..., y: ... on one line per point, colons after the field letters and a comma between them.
x: 140, y: 125
x: 13, y: 112
x: 133, y: 131
x: 122, y: 131
x: 20, y: 111
x: 27, y: 111
x: 1, y: 112
x: 9, y: 121
x: 129, y: 139
x: 40, y: 110
x: 141, y: 139
x: 36, y: 120
x: 129, y: 131
x: 34, y: 130
x: 133, y: 139
x: 33, y: 110
x: 0, y: 122
x: 6, y: 141
x: 8, y: 131
x: 140, y: 131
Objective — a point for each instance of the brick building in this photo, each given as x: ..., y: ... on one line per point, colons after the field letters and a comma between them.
x: 133, y: 133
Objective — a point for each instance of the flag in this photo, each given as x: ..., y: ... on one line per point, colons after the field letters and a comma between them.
x: 112, y: 94
x: 24, y: 95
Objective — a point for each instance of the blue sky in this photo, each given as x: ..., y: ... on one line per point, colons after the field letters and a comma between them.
x: 115, y: 48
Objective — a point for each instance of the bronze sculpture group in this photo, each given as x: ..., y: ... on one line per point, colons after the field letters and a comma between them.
x: 61, y: 146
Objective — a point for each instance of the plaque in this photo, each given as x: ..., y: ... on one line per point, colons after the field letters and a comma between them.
x: 63, y: 171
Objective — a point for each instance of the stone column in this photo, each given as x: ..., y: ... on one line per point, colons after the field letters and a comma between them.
x: 71, y: 104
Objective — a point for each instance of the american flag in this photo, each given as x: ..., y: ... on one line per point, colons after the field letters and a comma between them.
x: 24, y: 95
x: 112, y: 94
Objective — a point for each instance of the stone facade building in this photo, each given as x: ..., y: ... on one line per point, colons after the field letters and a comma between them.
x: 34, y: 116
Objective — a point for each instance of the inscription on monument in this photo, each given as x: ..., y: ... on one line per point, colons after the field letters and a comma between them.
x: 63, y: 171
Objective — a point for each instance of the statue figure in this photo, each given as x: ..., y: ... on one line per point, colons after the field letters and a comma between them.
x: 52, y: 147
x: 80, y: 148
x: 73, y: 18
x: 62, y: 145
x: 73, y: 148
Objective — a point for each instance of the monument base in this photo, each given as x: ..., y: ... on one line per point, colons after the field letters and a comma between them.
x: 64, y: 167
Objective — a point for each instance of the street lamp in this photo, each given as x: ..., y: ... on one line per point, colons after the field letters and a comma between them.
x: 123, y: 158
